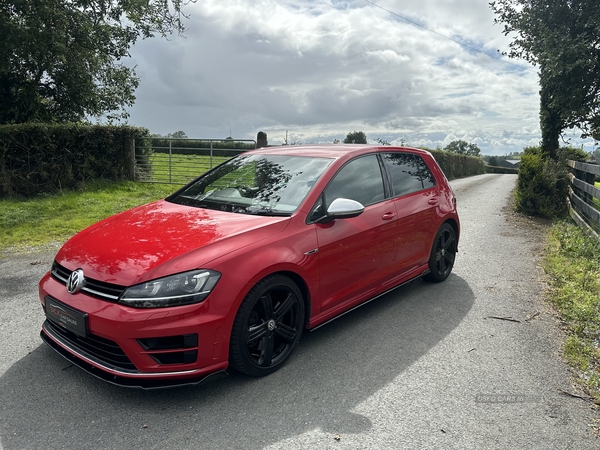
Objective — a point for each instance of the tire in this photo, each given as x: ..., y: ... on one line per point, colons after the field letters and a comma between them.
x: 443, y: 254
x: 267, y: 327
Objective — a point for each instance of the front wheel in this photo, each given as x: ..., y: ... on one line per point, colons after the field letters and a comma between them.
x: 267, y: 326
x: 443, y: 253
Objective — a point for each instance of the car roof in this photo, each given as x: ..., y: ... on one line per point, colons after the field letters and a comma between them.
x: 331, y: 150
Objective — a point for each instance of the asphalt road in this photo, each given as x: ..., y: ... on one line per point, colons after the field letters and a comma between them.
x: 423, y: 367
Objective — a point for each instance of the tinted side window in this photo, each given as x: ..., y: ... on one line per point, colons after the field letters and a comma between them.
x: 358, y: 180
x: 409, y: 173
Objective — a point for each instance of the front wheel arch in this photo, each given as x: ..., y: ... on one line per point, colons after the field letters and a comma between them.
x: 267, y: 326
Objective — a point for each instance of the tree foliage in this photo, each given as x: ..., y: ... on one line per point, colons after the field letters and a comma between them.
x: 463, y: 148
x: 382, y: 141
x: 62, y: 60
x: 177, y: 135
x: 562, y: 38
x: 356, y: 137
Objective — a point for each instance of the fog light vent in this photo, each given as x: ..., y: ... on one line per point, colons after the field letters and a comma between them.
x: 187, y: 357
x: 169, y: 342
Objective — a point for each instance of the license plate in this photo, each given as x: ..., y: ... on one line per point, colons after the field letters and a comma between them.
x: 66, y: 317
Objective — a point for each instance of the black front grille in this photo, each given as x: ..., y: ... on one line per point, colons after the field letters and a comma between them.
x: 93, y: 288
x: 102, y: 349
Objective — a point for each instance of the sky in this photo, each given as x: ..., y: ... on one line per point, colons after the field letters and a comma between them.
x: 311, y: 71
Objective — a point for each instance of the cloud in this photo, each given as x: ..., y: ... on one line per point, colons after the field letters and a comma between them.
x: 320, y: 69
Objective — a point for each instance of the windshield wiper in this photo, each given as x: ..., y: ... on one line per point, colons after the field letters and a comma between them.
x: 266, y: 212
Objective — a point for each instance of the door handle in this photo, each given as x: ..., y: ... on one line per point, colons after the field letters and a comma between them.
x: 388, y: 216
x: 433, y: 201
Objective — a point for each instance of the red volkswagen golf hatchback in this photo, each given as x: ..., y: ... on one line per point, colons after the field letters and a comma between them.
x: 228, y: 271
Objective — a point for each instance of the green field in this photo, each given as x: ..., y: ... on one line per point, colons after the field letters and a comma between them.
x: 177, y: 168
x: 48, y: 221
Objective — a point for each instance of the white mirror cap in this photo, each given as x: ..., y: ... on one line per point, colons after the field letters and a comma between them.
x: 345, y: 206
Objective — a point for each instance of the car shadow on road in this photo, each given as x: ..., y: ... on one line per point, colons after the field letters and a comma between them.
x: 48, y: 403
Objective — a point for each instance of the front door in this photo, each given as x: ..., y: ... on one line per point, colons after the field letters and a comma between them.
x: 357, y: 255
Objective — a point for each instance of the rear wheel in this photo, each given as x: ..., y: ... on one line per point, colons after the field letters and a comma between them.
x: 443, y: 253
x: 267, y: 326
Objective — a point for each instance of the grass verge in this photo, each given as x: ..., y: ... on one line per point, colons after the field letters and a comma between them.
x: 572, y: 262
x: 47, y: 221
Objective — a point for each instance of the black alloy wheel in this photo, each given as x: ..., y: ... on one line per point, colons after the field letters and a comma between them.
x: 443, y: 254
x: 267, y: 326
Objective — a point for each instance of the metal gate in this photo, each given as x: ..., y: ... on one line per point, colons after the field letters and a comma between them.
x: 178, y: 161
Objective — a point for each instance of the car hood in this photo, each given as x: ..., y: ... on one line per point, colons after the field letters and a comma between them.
x: 159, y: 239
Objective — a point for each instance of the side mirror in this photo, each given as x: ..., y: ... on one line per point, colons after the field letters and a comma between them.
x: 343, y: 208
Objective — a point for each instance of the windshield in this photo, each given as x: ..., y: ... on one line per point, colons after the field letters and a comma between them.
x: 255, y: 184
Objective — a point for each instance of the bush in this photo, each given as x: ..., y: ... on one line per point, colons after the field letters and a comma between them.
x: 574, y: 153
x: 38, y: 157
x: 542, y: 186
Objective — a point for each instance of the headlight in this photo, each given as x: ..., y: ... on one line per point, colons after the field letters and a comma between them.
x: 181, y: 289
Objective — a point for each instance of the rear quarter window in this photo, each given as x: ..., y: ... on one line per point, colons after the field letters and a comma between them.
x: 408, y: 172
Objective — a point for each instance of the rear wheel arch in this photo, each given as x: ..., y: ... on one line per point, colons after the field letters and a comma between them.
x: 443, y: 253
x: 454, y: 225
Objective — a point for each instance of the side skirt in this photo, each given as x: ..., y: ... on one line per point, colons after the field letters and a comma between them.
x: 370, y: 300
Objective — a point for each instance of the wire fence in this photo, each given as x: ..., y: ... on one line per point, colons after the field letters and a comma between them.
x: 178, y: 161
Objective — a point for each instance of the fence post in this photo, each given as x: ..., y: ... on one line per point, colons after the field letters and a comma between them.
x: 132, y: 164
x: 170, y: 163
x: 261, y: 140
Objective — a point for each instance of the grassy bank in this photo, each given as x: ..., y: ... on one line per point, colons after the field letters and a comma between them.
x: 48, y: 221
x: 572, y: 262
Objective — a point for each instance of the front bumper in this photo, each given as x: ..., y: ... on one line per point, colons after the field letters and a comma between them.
x: 120, y: 377
x: 134, y: 347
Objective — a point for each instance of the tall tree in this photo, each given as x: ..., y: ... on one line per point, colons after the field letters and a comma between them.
x: 62, y: 60
x: 463, y: 148
x: 562, y: 37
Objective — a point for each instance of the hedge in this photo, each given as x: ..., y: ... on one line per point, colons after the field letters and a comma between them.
x: 40, y: 158
x: 542, y: 186
x: 455, y: 165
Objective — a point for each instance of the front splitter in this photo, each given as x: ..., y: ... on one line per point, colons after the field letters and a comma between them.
x: 129, y: 382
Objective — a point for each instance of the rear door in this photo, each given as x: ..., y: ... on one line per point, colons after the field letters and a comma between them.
x: 416, y: 200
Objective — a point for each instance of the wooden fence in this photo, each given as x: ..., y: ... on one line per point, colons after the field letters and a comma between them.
x: 584, y: 196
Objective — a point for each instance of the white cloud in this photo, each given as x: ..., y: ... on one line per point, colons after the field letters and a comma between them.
x: 323, y: 68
